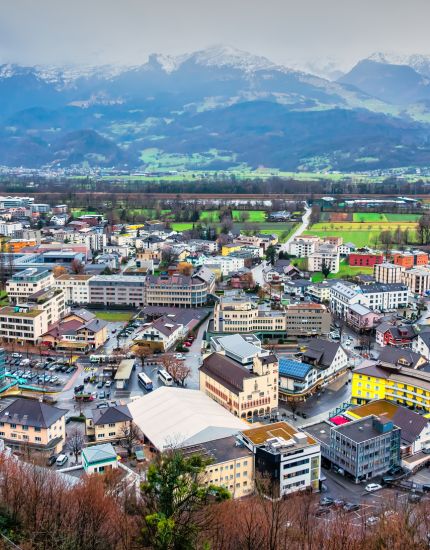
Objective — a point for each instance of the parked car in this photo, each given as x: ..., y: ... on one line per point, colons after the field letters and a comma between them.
x: 17, y: 355
x: 61, y: 460
x: 100, y: 384
x: 326, y: 501
x: 108, y: 383
x: 414, y: 497
x: 372, y: 520
x: 371, y: 487
x: 51, y: 460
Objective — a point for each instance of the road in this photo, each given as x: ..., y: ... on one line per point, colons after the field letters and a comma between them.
x: 304, y: 225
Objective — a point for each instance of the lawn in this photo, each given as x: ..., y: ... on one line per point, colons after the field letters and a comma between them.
x: 361, y: 234
x: 369, y: 217
x: 403, y: 217
x: 254, y: 216
x: 344, y: 271
x: 114, y: 316
x: 79, y: 213
x: 181, y: 226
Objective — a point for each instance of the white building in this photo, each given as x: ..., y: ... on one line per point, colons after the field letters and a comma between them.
x: 25, y: 283
x: 227, y: 264
x: 324, y: 254
x: 76, y: 287
x: 388, y: 273
x: 8, y: 229
x: 290, y: 457
x: 303, y: 246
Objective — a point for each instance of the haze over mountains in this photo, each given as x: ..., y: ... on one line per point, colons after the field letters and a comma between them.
x: 215, y: 109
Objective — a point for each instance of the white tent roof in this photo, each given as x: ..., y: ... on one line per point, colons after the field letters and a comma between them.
x: 175, y: 417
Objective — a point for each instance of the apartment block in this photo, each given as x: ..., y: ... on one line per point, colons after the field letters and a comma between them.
x: 121, y: 290
x: 289, y: 458
x: 418, y: 279
x: 303, y: 246
x: 411, y: 259
x: 387, y: 273
x: 180, y: 290
x: 25, y: 283
x: 325, y: 254
x: 231, y: 464
x: 76, y: 288
x: 402, y: 385
x: 245, y: 392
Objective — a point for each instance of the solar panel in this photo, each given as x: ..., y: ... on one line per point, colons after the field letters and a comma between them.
x: 288, y: 367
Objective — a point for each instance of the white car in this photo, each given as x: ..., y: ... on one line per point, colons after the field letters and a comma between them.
x: 371, y: 487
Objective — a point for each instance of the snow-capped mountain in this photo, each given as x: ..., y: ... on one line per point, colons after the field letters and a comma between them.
x: 418, y: 62
x: 220, y: 104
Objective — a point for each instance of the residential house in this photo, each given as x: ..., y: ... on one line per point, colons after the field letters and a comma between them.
x: 361, y: 318
x: 388, y: 334
x: 109, y: 424
x: 32, y: 424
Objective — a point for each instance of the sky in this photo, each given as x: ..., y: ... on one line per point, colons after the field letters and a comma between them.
x: 92, y: 32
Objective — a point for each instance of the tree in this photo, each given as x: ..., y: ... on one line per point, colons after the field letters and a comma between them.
x: 75, y: 442
x: 59, y: 270
x: 325, y: 269
x: 271, y: 254
x: 175, y: 497
x: 142, y: 352
x: 386, y: 239
x: 77, y: 267
x: 130, y: 436
x: 177, y: 369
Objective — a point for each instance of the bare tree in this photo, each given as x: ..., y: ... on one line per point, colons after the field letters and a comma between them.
x: 75, y: 442
x: 130, y: 436
x: 77, y: 267
x: 177, y: 369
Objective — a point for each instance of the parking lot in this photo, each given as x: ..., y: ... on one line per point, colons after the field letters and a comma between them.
x: 46, y: 373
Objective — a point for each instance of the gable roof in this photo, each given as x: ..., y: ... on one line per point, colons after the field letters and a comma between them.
x: 321, y: 351
x: 111, y: 415
x: 404, y: 357
x: 31, y: 412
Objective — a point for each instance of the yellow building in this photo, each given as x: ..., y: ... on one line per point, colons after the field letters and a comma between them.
x: 30, y: 424
x: 244, y: 392
x: 109, y: 424
x: 230, y: 248
x: 231, y: 467
x: 404, y: 386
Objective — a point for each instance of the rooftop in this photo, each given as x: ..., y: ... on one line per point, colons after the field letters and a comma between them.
x: 31, y: 412
x: 220, y: 450
x: 225, y: 371
x: 258, y: 436
x: 181, y: 417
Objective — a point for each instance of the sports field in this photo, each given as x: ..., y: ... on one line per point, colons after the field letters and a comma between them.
x: 114, y: 316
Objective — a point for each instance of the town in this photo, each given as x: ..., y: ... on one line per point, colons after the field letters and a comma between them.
x: 289, y: 343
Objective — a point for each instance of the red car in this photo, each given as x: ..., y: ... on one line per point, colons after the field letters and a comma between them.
x: 187, y: 344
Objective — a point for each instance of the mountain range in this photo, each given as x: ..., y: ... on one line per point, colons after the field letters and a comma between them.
x: 215, y: 109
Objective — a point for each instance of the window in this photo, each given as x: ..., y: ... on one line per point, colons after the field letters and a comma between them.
x: 38, y: 438
x: 111, y: 434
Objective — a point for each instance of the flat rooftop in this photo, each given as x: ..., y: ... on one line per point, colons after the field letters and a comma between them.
x: 260, y: 435
x: 220, y: 450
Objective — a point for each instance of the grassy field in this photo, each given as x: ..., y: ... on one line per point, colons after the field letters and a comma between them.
x: 78, y: 213
x: 344, y: 271
x: 114, y: 316
x: 361, y: 234
x: 181, y: 226
x: 375, y: 217
x: 255, y: 216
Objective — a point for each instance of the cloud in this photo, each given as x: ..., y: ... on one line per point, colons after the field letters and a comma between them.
x: 127, y: 31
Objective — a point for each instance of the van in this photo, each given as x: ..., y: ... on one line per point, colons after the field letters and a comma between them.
x: 61, y: 460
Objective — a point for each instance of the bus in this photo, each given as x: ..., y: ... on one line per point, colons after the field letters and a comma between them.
x: 145, y: 381
x: 165, y: 377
